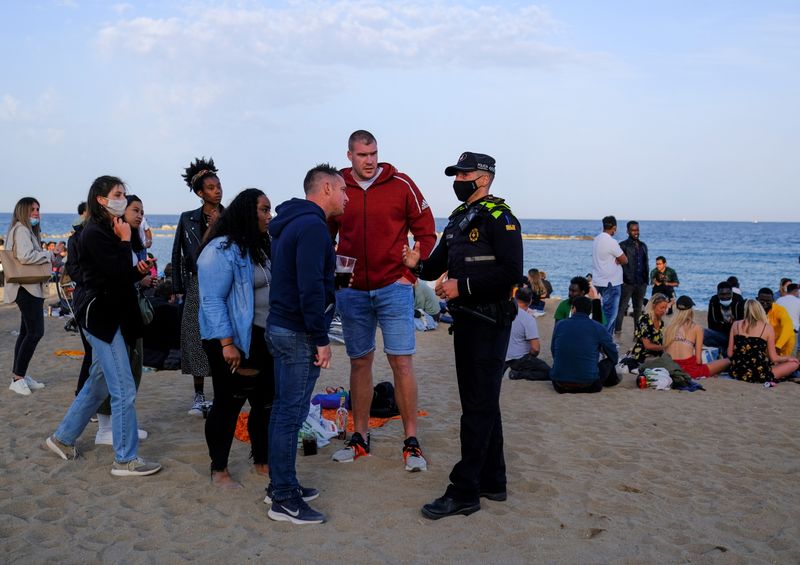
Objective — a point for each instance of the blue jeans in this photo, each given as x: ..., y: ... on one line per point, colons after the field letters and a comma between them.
x: 610, y: 296
x: 295, y: 377
x: 110, y: 374
x: 391, y: 307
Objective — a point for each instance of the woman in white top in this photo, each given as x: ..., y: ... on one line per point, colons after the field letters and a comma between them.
x: 25, y: 241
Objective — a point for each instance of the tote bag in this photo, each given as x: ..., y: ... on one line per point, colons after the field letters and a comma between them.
x: 16, y: 272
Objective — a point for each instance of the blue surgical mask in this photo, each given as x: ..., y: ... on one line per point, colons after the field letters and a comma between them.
x: 725, y: 303
x: 34, y: 221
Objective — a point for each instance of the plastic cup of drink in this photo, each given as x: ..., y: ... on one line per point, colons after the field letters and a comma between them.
x: 344, y: 271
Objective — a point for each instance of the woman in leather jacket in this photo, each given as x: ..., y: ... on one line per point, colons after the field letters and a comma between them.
x: 201, y: 177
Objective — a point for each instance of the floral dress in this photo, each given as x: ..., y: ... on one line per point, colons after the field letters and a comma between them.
x: 646, y: 329
x: 750, y: 361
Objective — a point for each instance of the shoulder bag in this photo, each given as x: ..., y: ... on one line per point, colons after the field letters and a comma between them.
x: 19, y: 273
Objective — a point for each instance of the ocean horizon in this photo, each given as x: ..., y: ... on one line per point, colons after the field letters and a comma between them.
x: 701, y: 252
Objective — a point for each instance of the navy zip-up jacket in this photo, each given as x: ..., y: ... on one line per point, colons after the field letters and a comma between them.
x: 301, y: 296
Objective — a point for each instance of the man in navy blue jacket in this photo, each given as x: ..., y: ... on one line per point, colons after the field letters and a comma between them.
x: 575, y: 346
x: 301, y: 304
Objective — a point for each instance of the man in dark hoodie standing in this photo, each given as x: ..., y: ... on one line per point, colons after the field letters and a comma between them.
x: 301, y: 309
x: 385, y: 205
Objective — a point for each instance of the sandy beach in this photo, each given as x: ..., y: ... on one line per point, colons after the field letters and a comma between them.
x: 624, y: 476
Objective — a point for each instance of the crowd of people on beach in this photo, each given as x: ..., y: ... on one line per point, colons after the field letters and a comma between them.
x: 248, y: 302
x: 753, y: 340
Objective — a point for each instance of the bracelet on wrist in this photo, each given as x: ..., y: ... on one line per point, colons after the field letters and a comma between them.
x: 226, y: 345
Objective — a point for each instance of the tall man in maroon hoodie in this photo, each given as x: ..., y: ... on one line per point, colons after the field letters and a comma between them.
x: 385, y: 205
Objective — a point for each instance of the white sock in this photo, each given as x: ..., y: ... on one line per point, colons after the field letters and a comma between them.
x: 103, y: 423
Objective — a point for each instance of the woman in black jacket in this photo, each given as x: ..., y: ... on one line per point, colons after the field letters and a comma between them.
x: 201, y: 177
x: 108, y: 313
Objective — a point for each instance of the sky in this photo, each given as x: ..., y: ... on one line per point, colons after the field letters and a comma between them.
x: 685, y: 109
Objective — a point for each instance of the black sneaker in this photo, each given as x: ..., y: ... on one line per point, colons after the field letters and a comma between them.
x: 308, y: 494
x: 296, y: 511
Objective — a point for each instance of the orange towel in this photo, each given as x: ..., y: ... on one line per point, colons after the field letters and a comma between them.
x: 242, y: 434
x: 68, y: 353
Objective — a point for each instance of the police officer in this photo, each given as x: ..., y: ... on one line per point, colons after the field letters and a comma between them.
x: 481, y: 250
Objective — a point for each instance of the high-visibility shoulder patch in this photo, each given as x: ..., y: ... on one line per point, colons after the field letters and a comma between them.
x: 511, y: 227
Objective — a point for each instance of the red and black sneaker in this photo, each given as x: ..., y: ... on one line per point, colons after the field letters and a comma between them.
x: 412, y: 455
x: 354, y: 448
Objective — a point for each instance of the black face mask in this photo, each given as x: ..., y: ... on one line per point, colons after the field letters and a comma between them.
x: 464, y: 189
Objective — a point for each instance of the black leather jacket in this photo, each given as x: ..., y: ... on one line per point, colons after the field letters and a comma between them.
x: 188, y: 237
x: 628, y: 270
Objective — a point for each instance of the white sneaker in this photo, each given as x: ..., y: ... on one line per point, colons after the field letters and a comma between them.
x: 197, y: 405
x: 20, y: 387
x: 136, y: 468
x: 32, y: 383
x: 106, y: 437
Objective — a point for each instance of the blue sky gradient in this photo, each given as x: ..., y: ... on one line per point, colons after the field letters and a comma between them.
x: 672, y: 110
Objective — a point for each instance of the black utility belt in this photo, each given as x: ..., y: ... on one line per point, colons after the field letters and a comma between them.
x: 497, y: 313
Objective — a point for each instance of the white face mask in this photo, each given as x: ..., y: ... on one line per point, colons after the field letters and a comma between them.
x: 116, y: 207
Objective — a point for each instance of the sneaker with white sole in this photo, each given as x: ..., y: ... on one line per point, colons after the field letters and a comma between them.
x: 296, y: 511
x: 20, y: 387
x: 197, y: 406
x: 354, y: 448
x: 135, y: 468
x: 32, y: 383
x: 412, y: 454
x: 106, y: 437
x: 308, y: 494
x: 66, y: 452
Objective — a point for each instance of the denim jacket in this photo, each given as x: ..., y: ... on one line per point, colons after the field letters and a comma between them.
x: 226, y: 293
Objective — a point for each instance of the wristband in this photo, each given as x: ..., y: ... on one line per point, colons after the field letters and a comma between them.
x: 226, y: 345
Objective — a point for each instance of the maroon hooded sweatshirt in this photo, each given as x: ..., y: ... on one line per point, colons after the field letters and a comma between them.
x: 375, y: 226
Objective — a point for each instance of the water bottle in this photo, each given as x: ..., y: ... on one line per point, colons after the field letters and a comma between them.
x: 341, y: 418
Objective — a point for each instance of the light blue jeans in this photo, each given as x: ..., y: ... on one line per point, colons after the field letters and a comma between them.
x: 295, y: 377
x: 110, y: 374
x: 390, y: 307
x: 610, y: 296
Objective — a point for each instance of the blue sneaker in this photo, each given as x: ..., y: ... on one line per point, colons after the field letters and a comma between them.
x: 296, y: 511
x: 308, y: 494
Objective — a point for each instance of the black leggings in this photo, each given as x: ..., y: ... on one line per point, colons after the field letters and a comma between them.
x: 230, y: 392
x: 31, y: 330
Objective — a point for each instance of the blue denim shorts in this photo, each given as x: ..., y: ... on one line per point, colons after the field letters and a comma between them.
x: 390, y: 307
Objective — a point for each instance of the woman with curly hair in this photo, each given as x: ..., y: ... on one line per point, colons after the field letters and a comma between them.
x: 234, y: 272
x: 201, y: 178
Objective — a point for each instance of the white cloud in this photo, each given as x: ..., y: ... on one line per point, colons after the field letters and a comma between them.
x: 35, y: 111
x: 9, y: 108
x: 347, y: 33
x: 122, y: 8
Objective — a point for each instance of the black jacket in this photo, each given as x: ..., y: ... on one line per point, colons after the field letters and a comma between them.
x: 716, y: 321
x: 73, y: 255
x: 628, y: 270
x: 106, y: 300
x: 188, y: 237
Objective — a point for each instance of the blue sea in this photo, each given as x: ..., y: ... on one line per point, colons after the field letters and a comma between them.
x: 702, y: 253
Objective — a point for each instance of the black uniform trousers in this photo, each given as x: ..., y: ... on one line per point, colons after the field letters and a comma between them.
x: 480, y: 351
